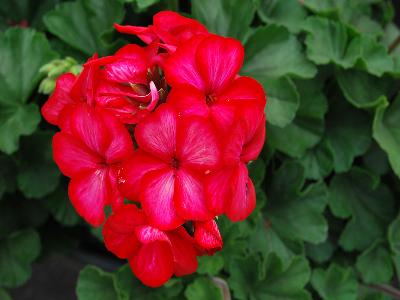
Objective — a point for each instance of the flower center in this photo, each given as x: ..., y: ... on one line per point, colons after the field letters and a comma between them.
x: 175, y: 163
x: 210, y: 99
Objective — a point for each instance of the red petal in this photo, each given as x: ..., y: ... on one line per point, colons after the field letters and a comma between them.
x: 87, y: 125
x: 133, y: 170
x: 153, y: 264
x: 183, y: 251
x: 188, y: 101
x: 130, y: 67
x: 181, y: 66
x: 223, y: 117
x: 84, y: 87
x: 197, y: 145
x: 144, y: 33
x: 89, y: 193
x: 244, y: 198
x: 72, y: 156
x: 189, y: 196
x: 207, y: 236
x: 157, y: 133
x: 158, y: 199
x: 173, y: 28
x: 219, y: 60
x: 147, y: 234
x: 244, y: 91
x: 59, y: 99
x: 118, y: 231
x: 121, y: 145
x: 252, y: 148
x: 218, y: 190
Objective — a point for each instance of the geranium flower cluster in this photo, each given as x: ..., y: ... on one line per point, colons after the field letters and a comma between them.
x: 163, y: 134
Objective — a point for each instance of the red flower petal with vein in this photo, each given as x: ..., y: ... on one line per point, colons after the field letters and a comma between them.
x: 168, y: 26
x: 154, y: 255
x: 60, y: 98
x: 175, y: 154
x: 203, y: 75
x: 207, y: 236
x: 88, y: 150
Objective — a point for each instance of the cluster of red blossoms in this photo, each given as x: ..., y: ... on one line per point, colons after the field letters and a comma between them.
x: 163, y: 134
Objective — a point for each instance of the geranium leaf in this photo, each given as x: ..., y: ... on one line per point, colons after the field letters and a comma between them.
x: 17, y: 83
x: 335, y: 283
x: 279, y: 282
x: 38, y: 175
x: 17, y: 252
x: 82, y: 24
x: 369, y: 205
x: 225, y: 17
x: 296, y: 213
x: 283, y: 100
x: 386, y: 131
x: 308, y: 125
x: 348, y: 134
x: 94, y: 283
x: 272, y: 51
x: 327, y: 42
x: 375, y: 264
x: 289, y: 13
x: 61, y: 208
x: 361, y: 89
x: 203, y: 289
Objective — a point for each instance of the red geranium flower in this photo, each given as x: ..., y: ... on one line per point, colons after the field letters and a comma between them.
x: 231, y: 190
x: 129, y: 83
x: 154, y: 255
x: 169, y: 27
x: 88, y: 149
x: 166, y: 173
x: 207, y: 236
x: 203, y: 75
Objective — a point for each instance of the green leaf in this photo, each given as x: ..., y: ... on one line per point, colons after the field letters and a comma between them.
x: 94, y: 283
x: 318, y: 161
x: 283, y: 100
x: 394, y: 242
x: 19, y: 75
x: 289, y: 13
x: 225, y: 17
x: 376, y: 160
x: 307, y: 127
x: 369, y: 205
x: 324, y: 7
x: 257, y: 171
x: 278, y: 283
x: 17, y: 252
x: 327, y: 42
x: 375, y: 264
x: 84, y: 24
x: 38, y: 175
x: 61, y: 208
x: 272, y: 51
x: 371, y: 55
x: 4, y: 295
x: 210, y: 265
x: 296, y: 213
x: 130, y: 288
x: 203, y: 289
x: 348, y: 134
x: 361, y: 89
x: 335, y: 283
x: 386, y: 131
x: 321, y: 252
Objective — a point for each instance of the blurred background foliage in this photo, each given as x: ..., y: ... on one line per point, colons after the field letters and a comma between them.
x: 327, y: 222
